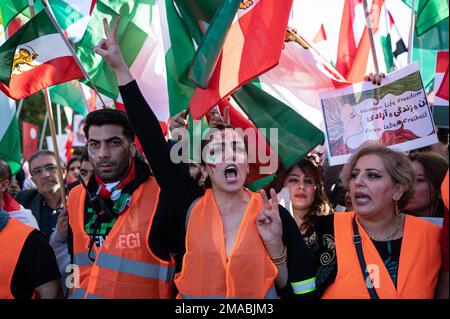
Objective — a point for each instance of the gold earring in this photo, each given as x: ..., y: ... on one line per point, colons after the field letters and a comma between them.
x: 397, y: 211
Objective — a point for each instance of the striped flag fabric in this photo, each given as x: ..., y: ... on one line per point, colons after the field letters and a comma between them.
x: 71, y: 15
x: 30, y: 64
x: 10, y: 150
x: 156, y: 47
x: 252, y: 46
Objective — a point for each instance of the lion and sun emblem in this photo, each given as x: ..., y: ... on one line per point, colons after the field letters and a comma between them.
x: 24, y: 59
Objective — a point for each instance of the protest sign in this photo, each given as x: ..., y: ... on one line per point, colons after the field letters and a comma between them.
x: 61, y: 140
x: 396, y: 113
x: 441, y: 88
x: 79, y: 139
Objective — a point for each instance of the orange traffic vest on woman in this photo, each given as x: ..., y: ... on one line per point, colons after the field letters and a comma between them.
x: 444, y: 190
x: 206, y: 272
x: 12, y: 239
x: 124, y: 266
x: 419, y: 262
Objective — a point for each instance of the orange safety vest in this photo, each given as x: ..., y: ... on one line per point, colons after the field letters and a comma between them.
x: 206, y: 273
x: 124, y: 266
x: 444, y: 190
x: 12, y: 239
x: 420, y: 260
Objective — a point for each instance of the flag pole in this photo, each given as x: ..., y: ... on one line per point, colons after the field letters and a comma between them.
x: 19, y: 108
x: 83, y: 95
x: 58, y: 115
x: 44, y: 128
x: 48, y: 105
x: 49, y: 11
x: 411, y: 31
x: 372, y: 42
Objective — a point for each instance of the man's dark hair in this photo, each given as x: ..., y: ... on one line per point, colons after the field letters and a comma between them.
x: 40, y: 153
x: 109, y: 116
x: 84, y: 155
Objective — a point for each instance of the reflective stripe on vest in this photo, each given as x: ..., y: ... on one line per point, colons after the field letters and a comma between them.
x: 304, y: 286
x: 124, y: 259
x: 271, y: 294
x: 134, y: 267
x: 82, y: 259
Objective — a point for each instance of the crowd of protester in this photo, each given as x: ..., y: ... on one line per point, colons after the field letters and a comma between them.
x: 138, y: 225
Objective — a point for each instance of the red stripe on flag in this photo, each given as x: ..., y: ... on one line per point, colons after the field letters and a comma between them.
x: 252, y: 47
x: 442, y: 92
x: 442, y: 61
x: 50, y: 73
x: 29, y: 139
x: 9, y: 204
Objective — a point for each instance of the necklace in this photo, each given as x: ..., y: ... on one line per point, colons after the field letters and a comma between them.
x: 387, y: 238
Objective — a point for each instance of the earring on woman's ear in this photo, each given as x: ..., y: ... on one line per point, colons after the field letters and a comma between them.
x: 397, y: 211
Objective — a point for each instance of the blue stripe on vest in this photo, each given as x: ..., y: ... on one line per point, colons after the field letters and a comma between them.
x: 82, y: 259
x: 136, y: 268
x: 78, y: 294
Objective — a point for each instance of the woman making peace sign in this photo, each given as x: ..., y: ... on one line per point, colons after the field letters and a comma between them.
x: 234, y: 242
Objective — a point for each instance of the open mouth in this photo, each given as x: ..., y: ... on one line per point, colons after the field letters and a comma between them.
x: 362, y: 198
x: 231, y: 173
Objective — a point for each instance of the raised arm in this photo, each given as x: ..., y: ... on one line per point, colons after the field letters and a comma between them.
x: 170, y: 176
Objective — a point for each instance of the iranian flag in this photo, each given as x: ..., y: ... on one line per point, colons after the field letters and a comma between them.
x: 156, y: 47
x: 441, y: 83
x: 9, y: 127
x: 34, y: 58
x: 70, y: 94
x: 9, y: 133
x: 299, y: 77
x: 71, y: 15
x: 252, y: 46
x: 441, y: 88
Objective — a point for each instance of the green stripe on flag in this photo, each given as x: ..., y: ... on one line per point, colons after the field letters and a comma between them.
x: 208, y: 53
x: 69, y: 94
x: 430, y: 13
x: 178, y: 59
x: 296, y: 135
x: 425, y: 50
x: 9, y: 9
x: 387, y: 52
x: 10, y: 149
x: 131, y: 38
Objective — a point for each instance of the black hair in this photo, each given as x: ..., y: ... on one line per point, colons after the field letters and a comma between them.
x: 109, y: 116
x: 72, y: 160
x: 84, y: 155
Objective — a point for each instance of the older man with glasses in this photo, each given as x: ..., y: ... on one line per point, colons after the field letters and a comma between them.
x: 45, y: 202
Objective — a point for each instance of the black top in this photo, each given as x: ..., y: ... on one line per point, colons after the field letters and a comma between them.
x: 183, y: 190
x: 46, y: 216
x: 35, y: 267
x: 323, y: 246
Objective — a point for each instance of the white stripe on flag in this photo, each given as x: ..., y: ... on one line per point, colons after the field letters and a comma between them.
x: 48, y: 47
